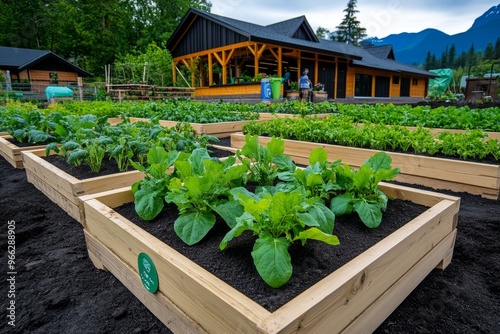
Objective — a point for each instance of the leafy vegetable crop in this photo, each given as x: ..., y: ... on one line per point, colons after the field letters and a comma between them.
x: 264, y: 162
x: 200, y: 189
x: 359, y: 189
x: 340, y: 130
x: 293, y: 206
x: 278, y: 219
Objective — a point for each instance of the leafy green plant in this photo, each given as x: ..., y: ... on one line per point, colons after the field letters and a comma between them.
x: 360, y: 192
x: 149, y: 192
x: 340, y: 130
x: 264, y: 162
x: 278, y: 219
x: 318, y: 178
x: 31, y: 126
x: 201, y: 189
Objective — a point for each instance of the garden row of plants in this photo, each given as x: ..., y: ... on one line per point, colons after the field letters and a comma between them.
x: 341, y: 130
x: 451, y: 117
x: 90, y: 139
x: 288, y: 204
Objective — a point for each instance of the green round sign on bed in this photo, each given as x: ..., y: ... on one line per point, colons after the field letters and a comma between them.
x: 148, y: 273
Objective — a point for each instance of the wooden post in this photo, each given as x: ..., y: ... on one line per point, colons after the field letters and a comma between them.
x: 80, y: 85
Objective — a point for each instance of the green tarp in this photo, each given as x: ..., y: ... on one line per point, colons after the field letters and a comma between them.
x: 439, y: 85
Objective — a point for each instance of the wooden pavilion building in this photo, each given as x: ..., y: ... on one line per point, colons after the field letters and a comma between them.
x: 226, y: 58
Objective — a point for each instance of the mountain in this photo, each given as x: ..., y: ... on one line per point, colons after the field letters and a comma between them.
x: 412, y: 48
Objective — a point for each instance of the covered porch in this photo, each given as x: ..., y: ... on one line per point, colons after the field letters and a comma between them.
x: 237, y: 69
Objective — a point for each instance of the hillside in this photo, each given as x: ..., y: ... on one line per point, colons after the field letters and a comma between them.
x: 412, y: 48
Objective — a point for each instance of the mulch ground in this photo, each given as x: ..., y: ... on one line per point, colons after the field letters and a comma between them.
x: 58, y: 290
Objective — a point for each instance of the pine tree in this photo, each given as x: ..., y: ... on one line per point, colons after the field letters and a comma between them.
x: 489, y: 52
x: 350, y: 31
x: 452, y: 55
x: 497, y: 49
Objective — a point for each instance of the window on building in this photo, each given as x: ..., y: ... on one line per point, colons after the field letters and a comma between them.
x: 395, y: 80
x: 415, y: 82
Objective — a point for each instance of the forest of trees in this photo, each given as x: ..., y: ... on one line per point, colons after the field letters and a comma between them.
x: 472, y: 58
x: 92, y: 33
x: 131, y: 33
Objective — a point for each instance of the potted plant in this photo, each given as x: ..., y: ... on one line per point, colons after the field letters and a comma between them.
x: 293, y: 93
x: 318, y: 93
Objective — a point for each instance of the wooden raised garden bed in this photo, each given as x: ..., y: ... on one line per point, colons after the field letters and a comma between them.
x: 219, y: 130
x: 356, y: 298
x: 12, y: 152
x: 456, y: 175
x: 268, y: 116
x: 64, y: 189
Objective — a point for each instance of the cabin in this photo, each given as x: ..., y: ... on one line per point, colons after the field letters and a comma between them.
x: 31, y: 71
x: 224, y: 58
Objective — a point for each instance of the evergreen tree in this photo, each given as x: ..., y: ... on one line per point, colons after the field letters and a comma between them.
x: 452, y: 55
x: 434, y: 62
x: 497, y: 49
x: 322, y: 32
x: 350, y: 31
x: 489, y: 52
x: 428, y: 60
x: 444, y: 58
x: 471, y: 56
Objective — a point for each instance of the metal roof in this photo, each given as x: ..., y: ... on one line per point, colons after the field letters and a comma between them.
x: 281, y: 34
x: 20, y: 59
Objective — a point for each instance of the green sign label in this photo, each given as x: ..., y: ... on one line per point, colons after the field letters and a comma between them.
x: 147, y: 271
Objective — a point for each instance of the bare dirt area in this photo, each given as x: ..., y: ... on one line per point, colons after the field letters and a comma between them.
x: 53, y: 287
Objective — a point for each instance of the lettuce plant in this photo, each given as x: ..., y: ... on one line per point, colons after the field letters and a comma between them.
x: 264, y: 162
x: 200, y: 190
x: 360, y: 192
x: 149, y: 192
x: 318, y: 178
x: 279, y: 218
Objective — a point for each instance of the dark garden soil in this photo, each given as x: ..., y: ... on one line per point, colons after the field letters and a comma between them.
x: 58, y: 290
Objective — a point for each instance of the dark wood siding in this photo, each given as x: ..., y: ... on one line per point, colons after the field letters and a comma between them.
x: 326, y: 76
x: 205, y: 35
x: 382, y: 86
x: 405, y: 87
x: 363, y: 85
x: 341, y: 80
x: 303, y: 33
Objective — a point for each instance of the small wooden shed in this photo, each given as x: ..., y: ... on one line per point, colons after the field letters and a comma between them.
x: 33, y: 70
x: 224, y: 55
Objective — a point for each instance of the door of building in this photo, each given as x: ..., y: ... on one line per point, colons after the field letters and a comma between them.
x: 326, y: 76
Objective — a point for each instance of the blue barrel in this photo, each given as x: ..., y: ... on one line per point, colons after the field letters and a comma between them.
x: 57, y: 91
x: 265, y: 90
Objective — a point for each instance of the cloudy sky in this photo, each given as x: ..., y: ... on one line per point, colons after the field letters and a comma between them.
x: 380, y: 17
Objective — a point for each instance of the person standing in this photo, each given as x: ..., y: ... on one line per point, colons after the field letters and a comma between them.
x: 305, y: 85
x: 286, y: 83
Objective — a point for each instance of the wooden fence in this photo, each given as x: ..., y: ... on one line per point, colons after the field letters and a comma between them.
x: 123, y: 92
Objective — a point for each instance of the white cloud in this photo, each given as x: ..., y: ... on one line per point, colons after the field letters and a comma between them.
x: 379, y: 17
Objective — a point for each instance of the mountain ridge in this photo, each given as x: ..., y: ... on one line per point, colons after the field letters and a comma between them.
x: 412, y: 48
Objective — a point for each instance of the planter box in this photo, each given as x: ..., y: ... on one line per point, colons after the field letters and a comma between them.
x: 12, y: 152
x: 319, y: 96
x: 459, y: 176
x: 356, y: 298
x: 64, y: 189
x: 292, y: 96
x: 268, y: 116
x: 219, y: 130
